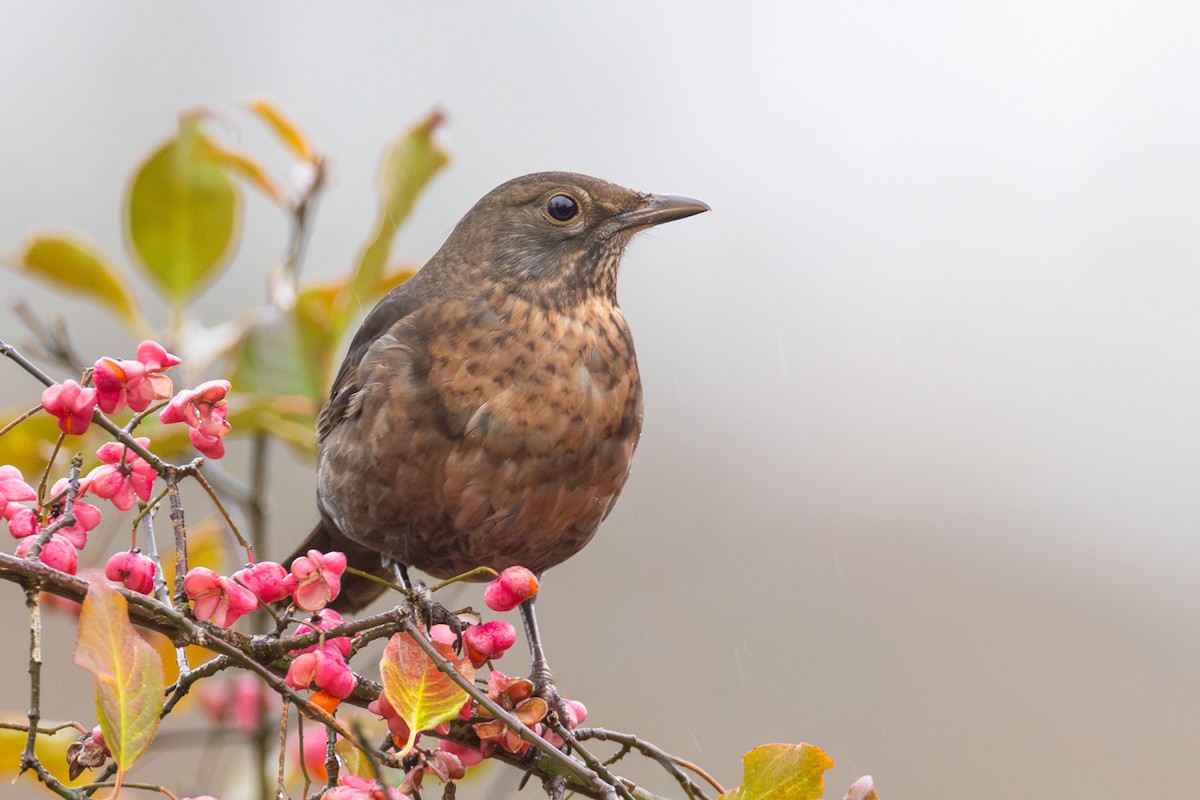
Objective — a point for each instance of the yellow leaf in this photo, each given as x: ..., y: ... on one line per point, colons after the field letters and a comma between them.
x: 782, y: 772
x: 284, y: 128
x: 250, y: 169
x: 31, y: 442
x: 71, y: 263
x: 52, y: 750
x: 422, y: 695
x: 182, y: 213
x: 129, y: 675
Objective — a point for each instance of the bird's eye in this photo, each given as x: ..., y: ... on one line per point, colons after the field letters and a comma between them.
x: 562, y: 208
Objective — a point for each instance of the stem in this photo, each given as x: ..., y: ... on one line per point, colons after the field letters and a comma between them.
x: 67, y: 519
x: 668, y: 761
x: 180, y: 599
x: 199, y: 476
x: 24, y: 416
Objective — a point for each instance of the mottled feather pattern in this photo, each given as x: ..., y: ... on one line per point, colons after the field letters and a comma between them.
x: 488, y: 408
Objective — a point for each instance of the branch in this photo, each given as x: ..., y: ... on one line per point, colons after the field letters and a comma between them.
x: 120, y: 434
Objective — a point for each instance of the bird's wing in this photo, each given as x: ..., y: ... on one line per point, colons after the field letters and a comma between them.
x: 397, y: 305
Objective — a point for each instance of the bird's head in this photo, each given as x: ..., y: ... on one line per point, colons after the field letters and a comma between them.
x: 560, y: 234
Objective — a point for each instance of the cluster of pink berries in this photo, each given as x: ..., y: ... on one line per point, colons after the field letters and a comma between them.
x: 122, y: 477
x: 138, y: 384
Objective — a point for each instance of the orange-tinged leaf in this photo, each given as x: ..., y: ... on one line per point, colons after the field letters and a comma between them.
x: 284, y: 128
x: 182, y: 213
x: 69, y: 262
x: 129, y: 675
x: 782, y: 772
x: 422, y: 695
x: 249, y: 169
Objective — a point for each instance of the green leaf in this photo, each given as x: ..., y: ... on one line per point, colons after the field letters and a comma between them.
x: 782, y: 772
x: 279, y: 356
x: 408, y: 165
x: 422, y: 695
x: 129, y: 674
x: 182, y: 213
x: 68, y: 262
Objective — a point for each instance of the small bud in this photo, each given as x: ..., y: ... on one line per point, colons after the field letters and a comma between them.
x: 13, y: 489
x: 72, y: 404
x: 265, y: 579
x: 324, y: 668
x: 515, y: 585
x: 862, y: 789
x: 488, y: 641
x: 469, y: 756
x: 203, y: 410
x: 58, y: 553
x: 134, y: 570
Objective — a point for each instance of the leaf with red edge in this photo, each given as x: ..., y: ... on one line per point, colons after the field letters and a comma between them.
x: 129, y: 674
x: 422, y: 695
x: 782, y: 772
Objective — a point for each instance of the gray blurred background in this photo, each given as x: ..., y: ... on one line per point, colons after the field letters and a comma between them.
x: 918, y: 477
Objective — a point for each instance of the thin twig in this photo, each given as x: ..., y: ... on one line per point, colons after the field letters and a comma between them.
x: 199, y: 476
x: 51, y: 337
x: 181, y: 564
x: 67, y: 518
x: 668, y: 761
x: 24, y: 416
x: 601, y: 769
x: 283, y: 726
x: 29, y: 759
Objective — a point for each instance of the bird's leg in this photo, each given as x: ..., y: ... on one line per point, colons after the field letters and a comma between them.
x: 402, y: 575
x: 539, y: 669
x: 432, y: 611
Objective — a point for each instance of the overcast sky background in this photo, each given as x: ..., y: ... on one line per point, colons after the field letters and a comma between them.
x: 918, y: 480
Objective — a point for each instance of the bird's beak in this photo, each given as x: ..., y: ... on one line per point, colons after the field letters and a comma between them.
x: 656, y: 209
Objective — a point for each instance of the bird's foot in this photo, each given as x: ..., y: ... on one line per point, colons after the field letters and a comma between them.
x: 430, y: 612
x: 543, y: 687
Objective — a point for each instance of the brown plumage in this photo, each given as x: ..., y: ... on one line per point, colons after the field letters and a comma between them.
x: 488, y: 408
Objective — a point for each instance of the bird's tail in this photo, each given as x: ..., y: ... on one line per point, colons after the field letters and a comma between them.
x: 357, y: 592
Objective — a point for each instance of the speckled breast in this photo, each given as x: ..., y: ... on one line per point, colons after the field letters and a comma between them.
x: 501, y: 438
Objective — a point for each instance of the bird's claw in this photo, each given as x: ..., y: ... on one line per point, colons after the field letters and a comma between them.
x: 543, y: 687
x: 431, y: 612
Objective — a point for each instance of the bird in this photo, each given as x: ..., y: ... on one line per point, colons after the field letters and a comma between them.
x: 488, y: 407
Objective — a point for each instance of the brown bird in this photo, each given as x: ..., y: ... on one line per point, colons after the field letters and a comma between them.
x: 488, y: 408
